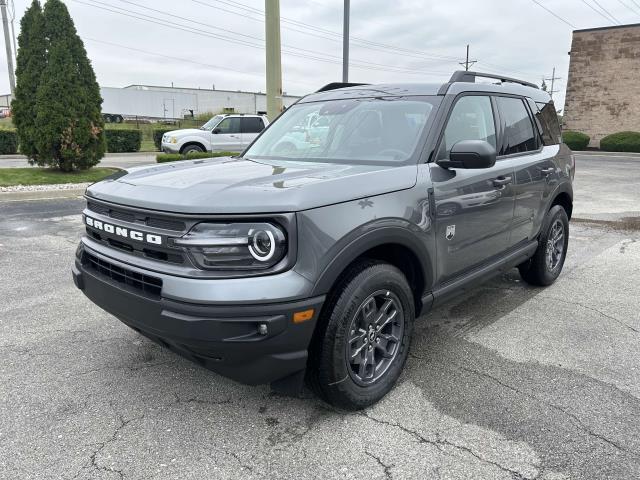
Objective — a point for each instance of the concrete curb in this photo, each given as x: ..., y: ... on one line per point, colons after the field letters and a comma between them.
x: 41, y: 195
x: 598, y: 153
x: 107, y: 155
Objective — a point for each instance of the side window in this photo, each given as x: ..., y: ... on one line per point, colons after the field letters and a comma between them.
x: 548, y: 119
x: 519, y: 135
x: 470, y: 119
x: 229, y: 125
x: 251, y: 124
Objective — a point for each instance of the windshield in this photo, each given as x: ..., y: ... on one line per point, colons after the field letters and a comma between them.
x: 211, y: 124
x: 363, y: 130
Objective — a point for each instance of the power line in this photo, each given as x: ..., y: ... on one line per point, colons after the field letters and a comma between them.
x: 555, y: 14
x: 606, y: 11
x: 185, y: 60
x: 628, y: 7
x: 159, y: 21
x: 597, y: 11
x: 356, y: 40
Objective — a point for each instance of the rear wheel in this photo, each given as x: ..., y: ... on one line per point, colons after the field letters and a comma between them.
x: 546, y: 264
x: 362, y: 341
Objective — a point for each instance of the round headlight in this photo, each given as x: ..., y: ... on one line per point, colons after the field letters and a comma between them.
x: 262, y: 245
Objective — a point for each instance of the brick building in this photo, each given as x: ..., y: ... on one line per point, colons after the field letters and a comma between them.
x: 603, y: 88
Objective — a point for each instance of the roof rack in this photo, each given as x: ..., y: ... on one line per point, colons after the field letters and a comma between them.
x: 336, y: 85
x: 466, y: 76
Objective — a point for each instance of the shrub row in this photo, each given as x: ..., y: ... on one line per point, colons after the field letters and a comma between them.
x: 119, y: 141
x: 576, y: 140
x: 172, y: 157
x: 8, y: 142
x: 157, y: 136
x: 621, y: 142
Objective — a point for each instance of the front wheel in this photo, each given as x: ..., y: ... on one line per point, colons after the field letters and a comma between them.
x: 192, y: 148
x: 546, y: 264
x: 363, y: 338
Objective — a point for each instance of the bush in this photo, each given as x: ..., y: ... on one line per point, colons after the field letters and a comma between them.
x: 8, y: 142
x: 157, y: 136
x: 621, y: 142
x: 576, y: 140
x: 172, y: 157
x: 119, y: 141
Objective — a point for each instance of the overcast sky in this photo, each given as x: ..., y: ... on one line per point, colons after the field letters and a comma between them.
x: 221, y: 42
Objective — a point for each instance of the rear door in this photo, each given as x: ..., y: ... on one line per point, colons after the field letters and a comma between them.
x: 533, y: 166
x: 227, y: 136
x: 251, y: 127
x: 474, y: 208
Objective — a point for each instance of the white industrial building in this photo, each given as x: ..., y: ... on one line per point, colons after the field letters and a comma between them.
x: 150, y: 101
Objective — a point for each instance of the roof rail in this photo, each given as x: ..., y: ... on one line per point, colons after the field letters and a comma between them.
x: 466, y: 76
x: 336, y: 85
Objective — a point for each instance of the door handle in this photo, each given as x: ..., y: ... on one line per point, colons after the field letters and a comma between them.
x: 547, y: 171
x: 501, y: 181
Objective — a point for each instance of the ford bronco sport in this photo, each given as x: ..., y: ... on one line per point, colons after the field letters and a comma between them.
x: 356, y: 211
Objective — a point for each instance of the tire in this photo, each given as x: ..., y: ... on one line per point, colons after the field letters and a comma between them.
x: 192, y: 148
x: 545, y: 266
x: 369, y: 291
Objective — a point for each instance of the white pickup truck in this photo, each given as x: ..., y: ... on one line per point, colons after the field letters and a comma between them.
x: 228, y: 133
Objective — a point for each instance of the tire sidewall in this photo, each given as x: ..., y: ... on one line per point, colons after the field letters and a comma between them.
x: 339, y: 382
x: 556, y: 213
x: 192, y: 148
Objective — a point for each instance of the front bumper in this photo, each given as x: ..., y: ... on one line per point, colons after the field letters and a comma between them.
x: 222, y: 337
x: 170, y: 147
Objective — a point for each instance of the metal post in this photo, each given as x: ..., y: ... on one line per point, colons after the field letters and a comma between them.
x: 468, y: 63
x: 7, y: 43
x: 345, y: 42
x: 274, y: 61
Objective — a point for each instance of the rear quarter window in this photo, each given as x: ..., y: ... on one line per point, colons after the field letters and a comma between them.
x: 547, y: 119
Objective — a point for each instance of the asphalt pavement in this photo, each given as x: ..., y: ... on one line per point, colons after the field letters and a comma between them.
x: 508, y: 382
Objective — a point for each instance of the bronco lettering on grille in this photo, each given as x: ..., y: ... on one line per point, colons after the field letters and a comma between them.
x: 123, y: 232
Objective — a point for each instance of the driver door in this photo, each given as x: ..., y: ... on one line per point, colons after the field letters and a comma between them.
x: 226, y: 136
x: 474, y: 207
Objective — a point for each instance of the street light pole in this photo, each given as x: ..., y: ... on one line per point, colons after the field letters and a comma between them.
x: 274, y: 61
x: 7, y: 43
x: 345, y: 42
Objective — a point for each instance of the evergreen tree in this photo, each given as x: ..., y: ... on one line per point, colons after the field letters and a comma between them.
x: 30, y: 64
x: 68, y: 114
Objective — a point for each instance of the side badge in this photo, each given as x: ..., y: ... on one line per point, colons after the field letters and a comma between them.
x: 451, y: 232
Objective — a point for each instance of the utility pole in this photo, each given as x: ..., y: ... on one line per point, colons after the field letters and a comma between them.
x: 7, y: 43
x: 345, y: 42
x: 466, y: 64
x: 274, y: 61
x: 553, y: 81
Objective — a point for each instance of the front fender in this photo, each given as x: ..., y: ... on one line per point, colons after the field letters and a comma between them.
x: 380, y: 233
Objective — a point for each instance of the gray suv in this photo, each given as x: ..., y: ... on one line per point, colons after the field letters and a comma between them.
x: 311, y: 254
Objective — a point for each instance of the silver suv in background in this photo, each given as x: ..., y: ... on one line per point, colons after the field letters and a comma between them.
x: 226, y: 133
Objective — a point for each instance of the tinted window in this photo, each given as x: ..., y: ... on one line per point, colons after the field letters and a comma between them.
x: 470, y: 119
x: 363, y: 130
x: 548, y: 120
x: 519, y: 135
x: 229, y: 125
x: 252, y: 125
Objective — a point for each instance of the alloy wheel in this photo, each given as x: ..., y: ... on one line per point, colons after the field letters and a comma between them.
x: 374, y: 337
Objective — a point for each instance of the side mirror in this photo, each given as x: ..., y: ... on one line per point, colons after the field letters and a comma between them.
x: 215, y: 131
x: 470, y: 154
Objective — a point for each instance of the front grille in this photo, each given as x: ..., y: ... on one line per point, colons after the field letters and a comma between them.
x: 146, y: 284
x: 141, y: 218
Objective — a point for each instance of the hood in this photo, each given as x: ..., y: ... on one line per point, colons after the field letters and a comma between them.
x: 186, y: 132
x: 236, y: 185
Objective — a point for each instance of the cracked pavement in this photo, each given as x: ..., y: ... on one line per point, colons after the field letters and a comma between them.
x: 507, y: 382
